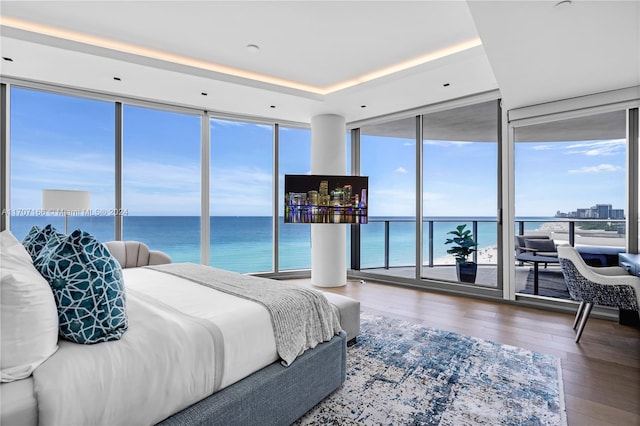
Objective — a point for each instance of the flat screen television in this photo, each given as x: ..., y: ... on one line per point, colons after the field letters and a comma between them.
x: 325, y: 199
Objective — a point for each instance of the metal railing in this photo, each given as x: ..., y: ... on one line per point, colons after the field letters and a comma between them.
x: 616, y: 227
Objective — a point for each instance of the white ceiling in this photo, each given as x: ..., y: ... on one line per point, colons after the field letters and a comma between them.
x: 539, y: 52
x: 172, y: 51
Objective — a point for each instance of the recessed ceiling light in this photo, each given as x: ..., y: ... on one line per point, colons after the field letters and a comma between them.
x: 204, y: 93
x: 6, y: 58
x: 446, y: 85
x: 363, y: 106
x: 117, y: 78
x: 253, y: 48
x: 563, y: 3
x: 272, y: 106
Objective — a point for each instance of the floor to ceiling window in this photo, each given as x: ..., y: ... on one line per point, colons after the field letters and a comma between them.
x: 387, y: 157
x: 294, y: 251
x: 241, y: 196
x: 161, y: 181
x: 570, y: 185
x: 460, y: 187
x: 61, y: 142
x: 570, y: 188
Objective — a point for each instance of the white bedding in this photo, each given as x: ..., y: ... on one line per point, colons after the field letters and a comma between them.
x: 18, y: 403
x: 249, y: 344
x: 140, y: 379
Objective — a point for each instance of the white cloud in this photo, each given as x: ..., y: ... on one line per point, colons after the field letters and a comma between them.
x: 543, y: 148
x: 141, y: 203
x: 432, y: 196
x: 597, y: 169
x: 153, y: 176
x: 241, y: 191
x: 400, y: 170
x: 232, y: 123
x: 446, y: 143
x: 597, y: 148
x: 589, y: 148
x: 91, y: 172
x: 227, y: 123
x: 264, y: 126
x: 75, y: 164
x: 391, y: 202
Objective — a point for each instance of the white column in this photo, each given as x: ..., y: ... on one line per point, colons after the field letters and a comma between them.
x: 328, y: 241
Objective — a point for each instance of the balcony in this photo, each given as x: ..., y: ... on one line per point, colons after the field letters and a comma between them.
x: 388, y: 248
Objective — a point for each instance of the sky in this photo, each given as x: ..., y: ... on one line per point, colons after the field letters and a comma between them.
x: 63, y: 142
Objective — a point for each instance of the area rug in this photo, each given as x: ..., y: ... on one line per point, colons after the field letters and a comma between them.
x: 550, y: 283
x: 402, y: 373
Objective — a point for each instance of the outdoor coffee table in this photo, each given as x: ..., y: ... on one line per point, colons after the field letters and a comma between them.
x: 536, y: 260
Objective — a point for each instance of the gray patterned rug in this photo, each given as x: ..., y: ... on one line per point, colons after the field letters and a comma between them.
x: 402, y: 373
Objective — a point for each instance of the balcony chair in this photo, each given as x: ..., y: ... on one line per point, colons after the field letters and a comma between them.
x: 131, y: 254
x: 540, y: 245
x: 537, y: 245
x: 608, y: 286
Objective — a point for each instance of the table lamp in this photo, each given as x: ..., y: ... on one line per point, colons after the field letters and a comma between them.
x: 67, y: 201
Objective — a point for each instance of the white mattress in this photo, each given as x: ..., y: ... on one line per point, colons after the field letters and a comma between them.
x: 249, y: 344
x: 184, y: 341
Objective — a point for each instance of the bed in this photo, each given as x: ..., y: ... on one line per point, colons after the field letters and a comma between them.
x: 191, y: 354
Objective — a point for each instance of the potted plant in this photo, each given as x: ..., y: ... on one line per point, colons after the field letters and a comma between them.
x: 463, y: 246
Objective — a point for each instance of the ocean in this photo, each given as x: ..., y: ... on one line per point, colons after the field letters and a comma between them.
x: 244, y: 243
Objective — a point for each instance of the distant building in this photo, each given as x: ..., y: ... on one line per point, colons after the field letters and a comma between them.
x: 603, y: 211
x: 617, y: 214
x: 599, y: 211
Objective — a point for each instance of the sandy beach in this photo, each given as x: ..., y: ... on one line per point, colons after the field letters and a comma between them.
x: 486, y: 255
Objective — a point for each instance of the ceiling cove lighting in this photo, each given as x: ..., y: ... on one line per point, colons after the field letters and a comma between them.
x: 46, y: 30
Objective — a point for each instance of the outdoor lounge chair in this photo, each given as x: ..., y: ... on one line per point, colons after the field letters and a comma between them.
x: 538, y: 245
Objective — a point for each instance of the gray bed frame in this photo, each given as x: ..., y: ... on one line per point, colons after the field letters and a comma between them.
x: 275, y: 395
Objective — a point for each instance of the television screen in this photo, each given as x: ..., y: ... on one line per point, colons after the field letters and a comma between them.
x: 325, y: 199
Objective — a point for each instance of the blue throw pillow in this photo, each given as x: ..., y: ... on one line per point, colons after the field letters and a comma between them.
x: 87, y: 286
x: 37, y: 238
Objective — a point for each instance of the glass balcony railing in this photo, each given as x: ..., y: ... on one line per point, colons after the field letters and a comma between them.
x: 389, y: 242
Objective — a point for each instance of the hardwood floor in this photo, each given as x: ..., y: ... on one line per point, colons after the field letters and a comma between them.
x: 601, y: 374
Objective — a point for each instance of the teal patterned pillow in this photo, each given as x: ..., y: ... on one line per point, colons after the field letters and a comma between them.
x: 88, y: 288
x: 37, y: 238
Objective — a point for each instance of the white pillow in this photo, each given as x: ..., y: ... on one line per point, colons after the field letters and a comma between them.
x: 28, y: 313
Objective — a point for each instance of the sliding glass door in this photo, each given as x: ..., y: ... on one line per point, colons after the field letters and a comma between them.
x: 570, y: 188
x: 460, y: 179
x: 387, y: 157
x: 294, y: 250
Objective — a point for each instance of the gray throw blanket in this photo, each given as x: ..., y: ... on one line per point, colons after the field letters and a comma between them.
x: 301, y: 317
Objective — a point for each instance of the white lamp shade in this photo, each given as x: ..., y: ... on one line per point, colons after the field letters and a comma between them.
x: 65, y: 200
